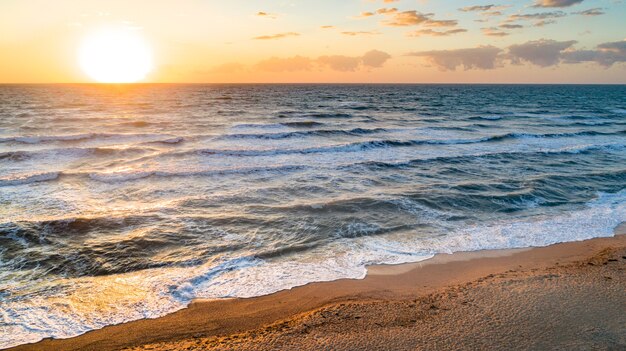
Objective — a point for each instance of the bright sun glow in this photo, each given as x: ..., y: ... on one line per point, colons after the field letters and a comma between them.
x: 115, y: 55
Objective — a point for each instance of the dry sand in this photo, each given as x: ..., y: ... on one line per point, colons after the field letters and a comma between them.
x: 569, y: 296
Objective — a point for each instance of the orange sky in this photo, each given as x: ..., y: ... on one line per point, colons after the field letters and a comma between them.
x: 549, y: 41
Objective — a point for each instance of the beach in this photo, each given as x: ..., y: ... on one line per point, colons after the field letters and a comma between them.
x: 564, y: 296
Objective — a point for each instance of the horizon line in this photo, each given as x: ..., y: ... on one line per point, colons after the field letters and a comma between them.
x: 306, y: 83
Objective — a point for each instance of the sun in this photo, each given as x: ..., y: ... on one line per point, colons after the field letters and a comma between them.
x: 115, y: 55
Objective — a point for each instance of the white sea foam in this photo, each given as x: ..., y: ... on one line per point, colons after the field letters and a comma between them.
x: 244, y: 166
x: 155, y: 292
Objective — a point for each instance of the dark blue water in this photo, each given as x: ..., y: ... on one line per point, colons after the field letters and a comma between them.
x: 125, y: 202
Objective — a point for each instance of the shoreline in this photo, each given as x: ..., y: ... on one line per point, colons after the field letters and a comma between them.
x: 230, y: 323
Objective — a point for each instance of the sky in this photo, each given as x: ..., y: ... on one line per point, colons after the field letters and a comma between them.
x: 340, y: 41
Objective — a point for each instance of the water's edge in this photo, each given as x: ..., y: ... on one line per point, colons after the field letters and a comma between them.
x: 378, y: 269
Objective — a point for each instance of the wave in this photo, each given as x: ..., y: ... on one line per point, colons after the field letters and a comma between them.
x: 351, y: 147
x: 495, y: 154
x: 600, y: 123
x: 79, y: 137
x: 29, y: 178
x: 282, y: 125
x: 40, y: 139
x: 116, y: 177
x: 455, y: 128
x: 131, y: 238
x: 321, y: 115
x: 485, y: 118
x: 14, y: 155
x: 174, y: 140
x: 172, y: 288
x: 305, y: 124
x: 257, y: 126
x: 21, y: 155
x: 319, y: 132
x: 164, y: 139
x: 389, y: 143
x: 329, y: 115
x: 553, y: 135
x: 138, y: 123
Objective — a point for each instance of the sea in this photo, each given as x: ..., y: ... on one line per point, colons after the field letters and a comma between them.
x: 123, y: 202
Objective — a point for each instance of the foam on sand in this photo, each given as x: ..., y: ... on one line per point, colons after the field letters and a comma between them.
x: 159, y: 291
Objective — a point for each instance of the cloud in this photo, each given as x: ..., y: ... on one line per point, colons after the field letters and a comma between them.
x: 407, y: 18
x: 277, y: 36
x: 536, y: 16
x: 486, y: 10
x: 441, y: 23
x: 540, y: 19
x: 494, y: 32
x: 359, y: 33
x: 375, y: 58
x: 483, y: 57
x: 492, y: 13
x: 486, y: 16
x: 341, y: 63
x: 414, y: 18
x: 477, y: 8
x: 289, y: 64
x: 556, y: 3
x: 606, y: 54
x: 615, y: 46
x: 431, y: 32
x: 591, y: 12
x: 542, y: 52
x: 380, y: 11
x: 366, y: 14
x: 266, y: 15
x: 327, y: 27
x: 510, y: 26
x: 385, y: 11
x: 544, y: 23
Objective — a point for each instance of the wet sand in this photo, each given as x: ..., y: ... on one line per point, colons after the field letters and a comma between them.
x: 566, y: 296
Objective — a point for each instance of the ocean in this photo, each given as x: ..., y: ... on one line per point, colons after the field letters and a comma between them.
x: 125, y: 202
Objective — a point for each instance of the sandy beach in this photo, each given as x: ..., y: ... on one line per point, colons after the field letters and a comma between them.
x: 566, y: 296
